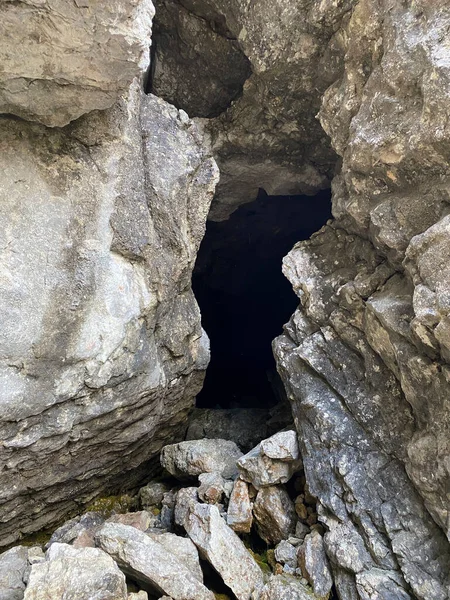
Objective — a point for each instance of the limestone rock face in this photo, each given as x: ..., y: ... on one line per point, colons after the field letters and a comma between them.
x: 101, y: 344
x: 261, y: 140
x: 62, y: 59
x: 365, y: 359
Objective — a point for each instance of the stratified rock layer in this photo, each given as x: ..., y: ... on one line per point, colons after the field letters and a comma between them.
x: 102, y: 351
x: 365, y: 357
x: 62, y: 59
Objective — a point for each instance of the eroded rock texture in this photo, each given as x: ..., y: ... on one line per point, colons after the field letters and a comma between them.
x: 102, y: 351
x: 269, y: 136
x: 365, y: 357
x: 63, y: 59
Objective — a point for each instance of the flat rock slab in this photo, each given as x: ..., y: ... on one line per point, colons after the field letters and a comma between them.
x: 222, y: 548
x: 183, y: 548
x: 192, y: 458
x: 76, y: 574
x: 239, y: 514
x: 148, y: 561
x: 314, y: 564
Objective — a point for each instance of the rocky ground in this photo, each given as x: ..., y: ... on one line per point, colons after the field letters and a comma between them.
x: 217, y: 524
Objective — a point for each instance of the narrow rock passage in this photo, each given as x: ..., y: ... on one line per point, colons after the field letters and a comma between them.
x: 244, y: 297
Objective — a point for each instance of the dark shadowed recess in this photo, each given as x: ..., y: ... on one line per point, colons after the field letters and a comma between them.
x: 245, y: 299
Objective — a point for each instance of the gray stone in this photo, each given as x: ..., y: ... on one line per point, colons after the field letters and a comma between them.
x: 88, y: 523
x: 244, y: 426
x: 286, y: 554
x: 211, y: 487
x: 138, y: 596
x: 314, y: 565
x: 152, y: 494
x: 239, y: 514
x: 222, y: 548
x: 260, y: 470
x: 183, y: 548
x: 71, y: 573
x: 14, y: 570
x: 285, y: 587
x: 274, y: 514
x: 100, y: 329
x: 282, y: 446
x: 189, y: 459
x: 105, y: 46
x: 140, y: 520
x: 148, y: 562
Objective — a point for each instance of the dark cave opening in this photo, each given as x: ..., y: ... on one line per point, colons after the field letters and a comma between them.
x: 245, y: 299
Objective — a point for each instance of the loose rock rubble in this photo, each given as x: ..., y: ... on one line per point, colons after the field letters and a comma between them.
x: 156, y: 544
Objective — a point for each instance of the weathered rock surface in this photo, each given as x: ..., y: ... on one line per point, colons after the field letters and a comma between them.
x: 183, y: 548
x: 313, y: 563
x: 102, y: 351
x: 282, y: 446
x: 284, y: 587
x: 258, y: 468
x: 221, y: 547
x: 239, y: 514
x: 71, y: 573
x: 364, y: 358
x: 274, y: 514
x: 192, y: 458
x: 212, y: 487
x: 14, y: 571
x: 149, y: 562
x: 243, y: 426
x: 63, y: 59
x: 262, y: 140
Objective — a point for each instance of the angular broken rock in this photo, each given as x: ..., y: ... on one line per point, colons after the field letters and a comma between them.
x: 14, y: 569
x: 286, y: 554
x: 222, y: 548
x: 313, y: 563
x: 148, y: 562
x: 152, y: 494
x: 76, y: 573
x: 140, y: 520
x: 211, y: 488
x: 183, y: 548
x: 285, y: 587
x: 282, y: 446
x: 261, y: 470
x: 274, y: 514
x: 239, y: 514
x: 192, y: 458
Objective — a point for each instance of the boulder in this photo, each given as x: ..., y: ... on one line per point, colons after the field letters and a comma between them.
x: 14, y: 571
x: 222, y: 548
x: 261, y: 470
x: 71, y: 572
x: 282, y: 446
x: 285, y: 587
x: 274, y: 514
x: 105, y: 46
x: 152, y: 494
x: 183, y: 548
x: 286, y: 554
x: 212, y: 488
x: 148, y: 562
x: 189, y: 459
x: 314, y: 565
x: 239, y: 514
x: 140, y: 520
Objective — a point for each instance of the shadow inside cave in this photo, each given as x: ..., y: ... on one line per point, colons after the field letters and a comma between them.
x: 245, y: 299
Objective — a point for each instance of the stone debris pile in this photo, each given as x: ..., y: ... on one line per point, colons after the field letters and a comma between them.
x: 221, y: 525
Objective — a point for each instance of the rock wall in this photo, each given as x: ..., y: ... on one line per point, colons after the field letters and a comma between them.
x: 101, y: 351
x: 365, y: 357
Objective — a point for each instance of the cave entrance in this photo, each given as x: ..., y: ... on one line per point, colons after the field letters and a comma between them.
x: 245, y: 299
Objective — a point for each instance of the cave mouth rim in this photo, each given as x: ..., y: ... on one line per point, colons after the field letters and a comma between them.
x: 259, y: 210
